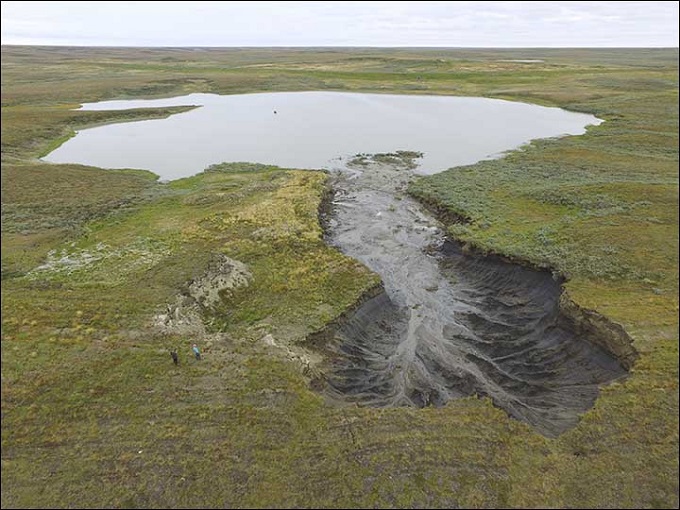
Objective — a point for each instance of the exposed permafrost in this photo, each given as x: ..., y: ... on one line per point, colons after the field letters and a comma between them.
x: 452, y: 323
x: 203, y: 293
x: 598, y: 329
x: 224, y: 275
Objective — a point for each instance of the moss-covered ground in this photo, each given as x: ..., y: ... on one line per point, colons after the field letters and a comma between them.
x: 94, y: 413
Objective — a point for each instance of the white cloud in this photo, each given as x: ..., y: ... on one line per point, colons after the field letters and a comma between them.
x: 363, y: 23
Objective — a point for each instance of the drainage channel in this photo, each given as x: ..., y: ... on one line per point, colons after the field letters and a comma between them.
x: 450, y: 323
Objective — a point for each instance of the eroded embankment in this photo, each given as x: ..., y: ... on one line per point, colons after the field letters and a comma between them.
x: 452, y: 323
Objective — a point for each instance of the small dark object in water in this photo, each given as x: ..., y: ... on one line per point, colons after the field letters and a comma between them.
x: 274, y: 112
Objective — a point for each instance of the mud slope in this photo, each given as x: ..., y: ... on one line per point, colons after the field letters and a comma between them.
x: 450, y: 323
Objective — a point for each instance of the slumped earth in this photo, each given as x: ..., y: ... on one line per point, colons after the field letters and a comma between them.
x: 450, y: 323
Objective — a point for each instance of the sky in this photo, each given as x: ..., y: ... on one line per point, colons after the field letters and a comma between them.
x: 362, y: 23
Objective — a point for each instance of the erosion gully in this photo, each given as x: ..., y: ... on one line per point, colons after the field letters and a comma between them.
x: 449, y: 323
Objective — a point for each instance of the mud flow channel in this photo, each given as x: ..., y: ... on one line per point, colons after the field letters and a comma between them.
x: 450, y: 324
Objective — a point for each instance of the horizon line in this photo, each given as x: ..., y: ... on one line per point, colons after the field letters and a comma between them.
x: 334, y: 47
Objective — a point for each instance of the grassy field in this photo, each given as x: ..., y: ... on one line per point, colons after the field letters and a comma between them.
x: 94, y: 413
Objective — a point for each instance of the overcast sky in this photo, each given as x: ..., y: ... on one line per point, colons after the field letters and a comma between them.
x: 381, y: 23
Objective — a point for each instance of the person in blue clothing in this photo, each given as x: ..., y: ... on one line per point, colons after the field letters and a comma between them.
x: 197, y: 352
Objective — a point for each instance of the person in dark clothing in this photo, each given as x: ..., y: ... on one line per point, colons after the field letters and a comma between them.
x: 175, y: 357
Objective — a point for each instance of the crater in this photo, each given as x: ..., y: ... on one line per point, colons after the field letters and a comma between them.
x: 451, y: 322
x: 500, y: 331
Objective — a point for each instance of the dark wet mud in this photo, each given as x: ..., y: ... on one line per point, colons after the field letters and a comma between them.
x: 449, y: 323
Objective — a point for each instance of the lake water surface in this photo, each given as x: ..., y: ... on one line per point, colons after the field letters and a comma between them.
x: 313, y: 130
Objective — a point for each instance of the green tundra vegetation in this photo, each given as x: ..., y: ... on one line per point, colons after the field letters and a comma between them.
x: 95, y: 414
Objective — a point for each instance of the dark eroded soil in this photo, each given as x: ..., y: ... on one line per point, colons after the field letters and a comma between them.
x: 450, y: 323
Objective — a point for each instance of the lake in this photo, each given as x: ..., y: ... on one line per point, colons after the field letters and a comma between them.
x: 313, y: 130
